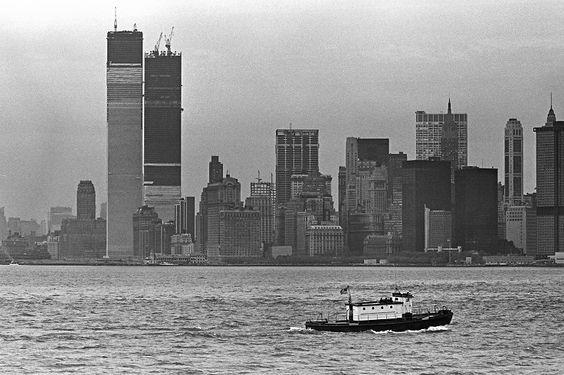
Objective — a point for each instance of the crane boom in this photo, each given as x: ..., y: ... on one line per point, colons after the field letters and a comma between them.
x: 158, y: 44
x: 167, y: 40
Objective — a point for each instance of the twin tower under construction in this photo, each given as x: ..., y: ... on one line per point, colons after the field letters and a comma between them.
x: 144, y: 134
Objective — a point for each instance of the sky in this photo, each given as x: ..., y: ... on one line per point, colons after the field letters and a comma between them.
x: 348, y: 68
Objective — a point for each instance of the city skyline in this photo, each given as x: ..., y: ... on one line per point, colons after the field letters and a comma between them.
x: 245, y: 75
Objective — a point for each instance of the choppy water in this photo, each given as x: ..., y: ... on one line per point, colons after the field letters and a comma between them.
x: 210, y: 320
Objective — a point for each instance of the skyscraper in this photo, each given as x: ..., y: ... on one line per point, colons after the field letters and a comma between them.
x: 184, y: 216
x: 550, y: 186
x: 263, y: 199
x: 513, y: 151
x: 162, y: 131
x: 297, y: 152
x: 366, y: 190
x: 476, y: 208
x: 124, y: 78
x: 434, y: 136
x: 219, y: 195
x: 426, y: 183
x: 85, y: 201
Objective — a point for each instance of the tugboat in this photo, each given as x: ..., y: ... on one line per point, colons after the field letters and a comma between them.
x: 387, y: 314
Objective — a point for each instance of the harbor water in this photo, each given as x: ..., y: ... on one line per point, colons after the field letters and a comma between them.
x: 247, y: 320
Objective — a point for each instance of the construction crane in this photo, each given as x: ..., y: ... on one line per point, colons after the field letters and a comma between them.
x: 158, y: 44
x: 167, y: 41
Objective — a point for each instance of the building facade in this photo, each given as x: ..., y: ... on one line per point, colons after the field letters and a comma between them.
x: 432, y: 138
x: 162, y: 131
x: 297, y: 152
x: 263, y: 200
x: 550, y: 186
x: 124, y: 80
x: 426, y: 183
x: 438, y: 228
x: 239, y: 234
x: 220, y: 194
x: 325, y: 240
x: 476, y: 208
x: 184, y: 211
x: 86, y: 201
x: 513, y: 155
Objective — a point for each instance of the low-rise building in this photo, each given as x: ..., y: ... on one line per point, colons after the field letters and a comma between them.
x: 325, y: 240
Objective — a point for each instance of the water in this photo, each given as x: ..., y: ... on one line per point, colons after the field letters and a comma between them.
x: 247, y: 320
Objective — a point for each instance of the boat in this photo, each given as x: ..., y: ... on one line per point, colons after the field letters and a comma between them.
x: 393, y: 313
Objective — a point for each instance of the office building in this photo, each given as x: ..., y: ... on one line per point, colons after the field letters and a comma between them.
x: 426, y: 183
x: 366, y: 190
x: 550, y: 186
x: 297, y: 152
x: 513, y: 152
x: 83, y: 237
x: 476, y: 209
x: 263, y: 200
x: 184, y: 216
x: 162, y: 130
x: 145, y: 234
x: 124, y: 74
x: 325, y: 240
x: 434, y: 136
x: 3, y: 225
x: 239, y: 234
x: 521, y: 228
x: 85, y: 201
x: 220, y: 194
x: 438, y: 228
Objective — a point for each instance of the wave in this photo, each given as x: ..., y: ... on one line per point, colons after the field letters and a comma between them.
x: 425, y: 330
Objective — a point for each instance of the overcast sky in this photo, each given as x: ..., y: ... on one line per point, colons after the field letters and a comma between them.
x: 348, y: 68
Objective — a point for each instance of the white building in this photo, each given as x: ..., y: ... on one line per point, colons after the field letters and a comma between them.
x: 325, y: 240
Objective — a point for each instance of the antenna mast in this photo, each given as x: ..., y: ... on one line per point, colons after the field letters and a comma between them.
x: 115, y: 19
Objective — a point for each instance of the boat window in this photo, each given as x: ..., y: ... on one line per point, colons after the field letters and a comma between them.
x: 391, y: 307
x: 382, y: 306
x: 363, y: 308
x: 372, y: 307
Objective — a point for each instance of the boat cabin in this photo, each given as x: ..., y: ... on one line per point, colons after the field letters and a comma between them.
x: 386, y: 308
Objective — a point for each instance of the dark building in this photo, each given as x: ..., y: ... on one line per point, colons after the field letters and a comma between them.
x: 163, y: 109
x: 124, y: 75
x: 425, y: 183
x: 297, y: 152
x: 221, y: 194
x: 145, y: 222
x: 85, y: 236
x: 82, y: 239
x: 342, y: 192
x: 449, y: 140
x: 85, y: 201
x: 550, y: 186
x: 475, y: 223
x: 184, y: 212
x: 215, y: 170
x: 373, y: 149
x: 239, y: 234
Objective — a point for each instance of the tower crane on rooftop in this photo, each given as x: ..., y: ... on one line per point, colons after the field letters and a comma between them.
x: 167, y: 41
x: 158, y: 44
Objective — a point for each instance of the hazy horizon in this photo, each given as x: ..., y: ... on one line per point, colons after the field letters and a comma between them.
x: 357, y: 69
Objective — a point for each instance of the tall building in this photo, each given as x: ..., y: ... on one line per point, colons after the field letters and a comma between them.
x: 215, y: 170
x: 263, y: 199
x: 513, y: 171
x: 3, y: 225
x: 550, y: 186
x: 438, y: 228
x: 162, y: 141
x: 297, y: 152
x: 476, y: 208
x: 426, y: 183
x: 85, y: 201
x: 434, y: 136
x: 124, y: 78
x: 145, y: 236
x: 366, y: 190
x: 184, y: 216
x: 219, y: 195
x: 83, y: 237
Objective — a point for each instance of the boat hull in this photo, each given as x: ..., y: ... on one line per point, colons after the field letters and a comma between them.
x: 413, y: 323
